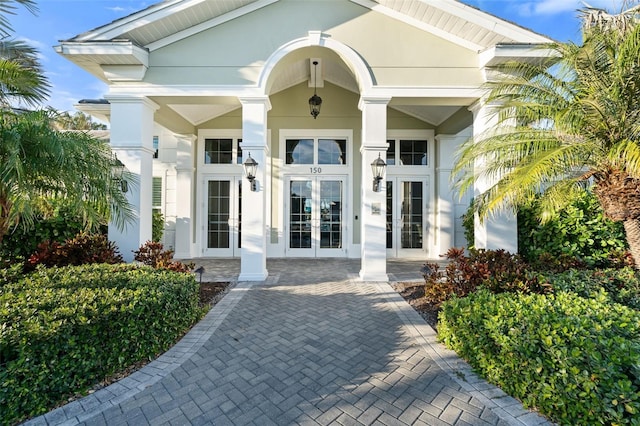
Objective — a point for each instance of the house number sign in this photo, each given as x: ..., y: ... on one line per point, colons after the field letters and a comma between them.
x: 315, y: 170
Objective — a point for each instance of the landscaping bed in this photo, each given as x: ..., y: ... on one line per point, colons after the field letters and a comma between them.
x: 69, y: 331
x: 565, y: 343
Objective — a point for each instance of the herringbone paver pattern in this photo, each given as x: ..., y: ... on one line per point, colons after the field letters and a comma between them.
x: 313, y: 347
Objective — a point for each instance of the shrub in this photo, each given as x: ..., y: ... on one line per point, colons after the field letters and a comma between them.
x: 576, y: 360
x: 80, y: 250
x: 157, y: 226
x: 65, y: 329
x: 579, y: 231
x: 468, y: 225
x: 62, y: 223
x: 620, y: 285
x: 497, y: 270
x: 153, y: 254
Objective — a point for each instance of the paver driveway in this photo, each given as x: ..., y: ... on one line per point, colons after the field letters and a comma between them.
x: 311, y: 345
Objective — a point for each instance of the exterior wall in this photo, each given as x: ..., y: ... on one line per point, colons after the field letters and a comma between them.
x: 398, y: 54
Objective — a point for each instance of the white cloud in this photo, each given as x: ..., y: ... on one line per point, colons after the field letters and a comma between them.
x: 118, y: 9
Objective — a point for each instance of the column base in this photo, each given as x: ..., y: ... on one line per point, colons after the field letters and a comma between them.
x: 253, y: 276
x: 373, y: 277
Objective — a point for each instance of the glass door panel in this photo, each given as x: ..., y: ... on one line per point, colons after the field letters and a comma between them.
x: 300, y: 211
x: 222, y: 217
x: 411, y: 218
x: 407, y: 201
x: 330, y: 214
x: 218, y: 214
x: 315, y: 217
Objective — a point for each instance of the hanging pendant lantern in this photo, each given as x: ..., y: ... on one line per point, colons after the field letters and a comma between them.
x: 315, y: 101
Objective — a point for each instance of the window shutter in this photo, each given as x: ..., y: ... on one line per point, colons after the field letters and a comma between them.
x: 156, y: 191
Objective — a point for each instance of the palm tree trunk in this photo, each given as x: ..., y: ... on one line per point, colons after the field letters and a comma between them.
x: 632, y: 231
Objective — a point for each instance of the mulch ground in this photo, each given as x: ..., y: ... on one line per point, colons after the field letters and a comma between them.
x: 413, y: 293
x: 211, y: 292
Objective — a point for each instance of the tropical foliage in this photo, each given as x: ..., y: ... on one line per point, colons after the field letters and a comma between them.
x: 21, y: 78
x: 39, y: 163
x: 565, y: 122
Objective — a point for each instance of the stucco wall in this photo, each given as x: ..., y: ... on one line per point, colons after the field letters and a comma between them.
x: 398, y: 54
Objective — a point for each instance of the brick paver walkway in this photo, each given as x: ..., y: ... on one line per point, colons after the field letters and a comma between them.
x: 312, y: 345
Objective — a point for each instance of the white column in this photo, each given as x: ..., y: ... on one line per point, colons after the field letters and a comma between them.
x: 445, y: 213
x: 373, y: 211
x: 253, y: 257
x: 185, y: 214
x: 132, y: 142
x: 498, y: 230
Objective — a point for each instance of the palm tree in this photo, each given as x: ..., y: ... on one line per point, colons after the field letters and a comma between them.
x: 21, y: 76
x: 39, y: 163
x: 564, y: 123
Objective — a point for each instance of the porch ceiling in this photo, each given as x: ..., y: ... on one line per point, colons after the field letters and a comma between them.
x: 202, y: 109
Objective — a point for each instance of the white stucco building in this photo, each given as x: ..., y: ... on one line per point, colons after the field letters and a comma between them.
x: 196, y: 86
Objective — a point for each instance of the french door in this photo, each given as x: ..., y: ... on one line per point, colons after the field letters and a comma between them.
x: 223, y: 216
x: 315, y: 216
x: 407, y: 202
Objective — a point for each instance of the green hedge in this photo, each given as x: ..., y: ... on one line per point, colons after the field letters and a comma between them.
x: 65, y: 329
x: 576, y: 360
x: 580, y: 230
x: 620, y: 285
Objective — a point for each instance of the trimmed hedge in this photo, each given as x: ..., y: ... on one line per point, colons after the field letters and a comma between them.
x: 576, y: 360
x: 620, y: 285
x: 65, y: 329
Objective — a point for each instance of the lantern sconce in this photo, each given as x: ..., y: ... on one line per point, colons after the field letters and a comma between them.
x: 315, y: 101
x: 378, y: 167
x: 250, y: 168
x: 118, y: 170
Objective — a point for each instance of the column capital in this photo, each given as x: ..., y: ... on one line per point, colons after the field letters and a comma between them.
x: 256, y: 100
x: 373, y: 100
x: 132, y: 99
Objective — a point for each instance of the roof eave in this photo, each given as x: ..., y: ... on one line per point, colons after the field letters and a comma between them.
x: 527, y: 52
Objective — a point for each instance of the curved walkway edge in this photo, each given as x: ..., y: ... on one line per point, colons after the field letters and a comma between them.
x: 85, y: 408
x: 314, y: 347
x: 507, y: 408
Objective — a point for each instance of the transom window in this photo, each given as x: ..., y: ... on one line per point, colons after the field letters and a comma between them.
x: 222, y: 151
x: 407, y: 152
x: 316, y: 151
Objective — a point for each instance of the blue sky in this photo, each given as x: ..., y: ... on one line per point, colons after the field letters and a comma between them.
x: 63, y: 19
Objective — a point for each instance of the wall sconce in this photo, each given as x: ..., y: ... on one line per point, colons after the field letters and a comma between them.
x: 378, y: 166
x: 315, y: 101
x: 118, y: 168
x: 250, y: 168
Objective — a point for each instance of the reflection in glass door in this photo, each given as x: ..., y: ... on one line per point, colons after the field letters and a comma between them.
x: 223, y: 217
x: 406, y: 217
x: 315, y: 217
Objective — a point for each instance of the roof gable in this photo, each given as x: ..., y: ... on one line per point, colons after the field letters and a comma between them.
x: 172, y: 20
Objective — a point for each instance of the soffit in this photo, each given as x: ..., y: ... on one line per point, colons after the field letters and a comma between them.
x: 460, y: 23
